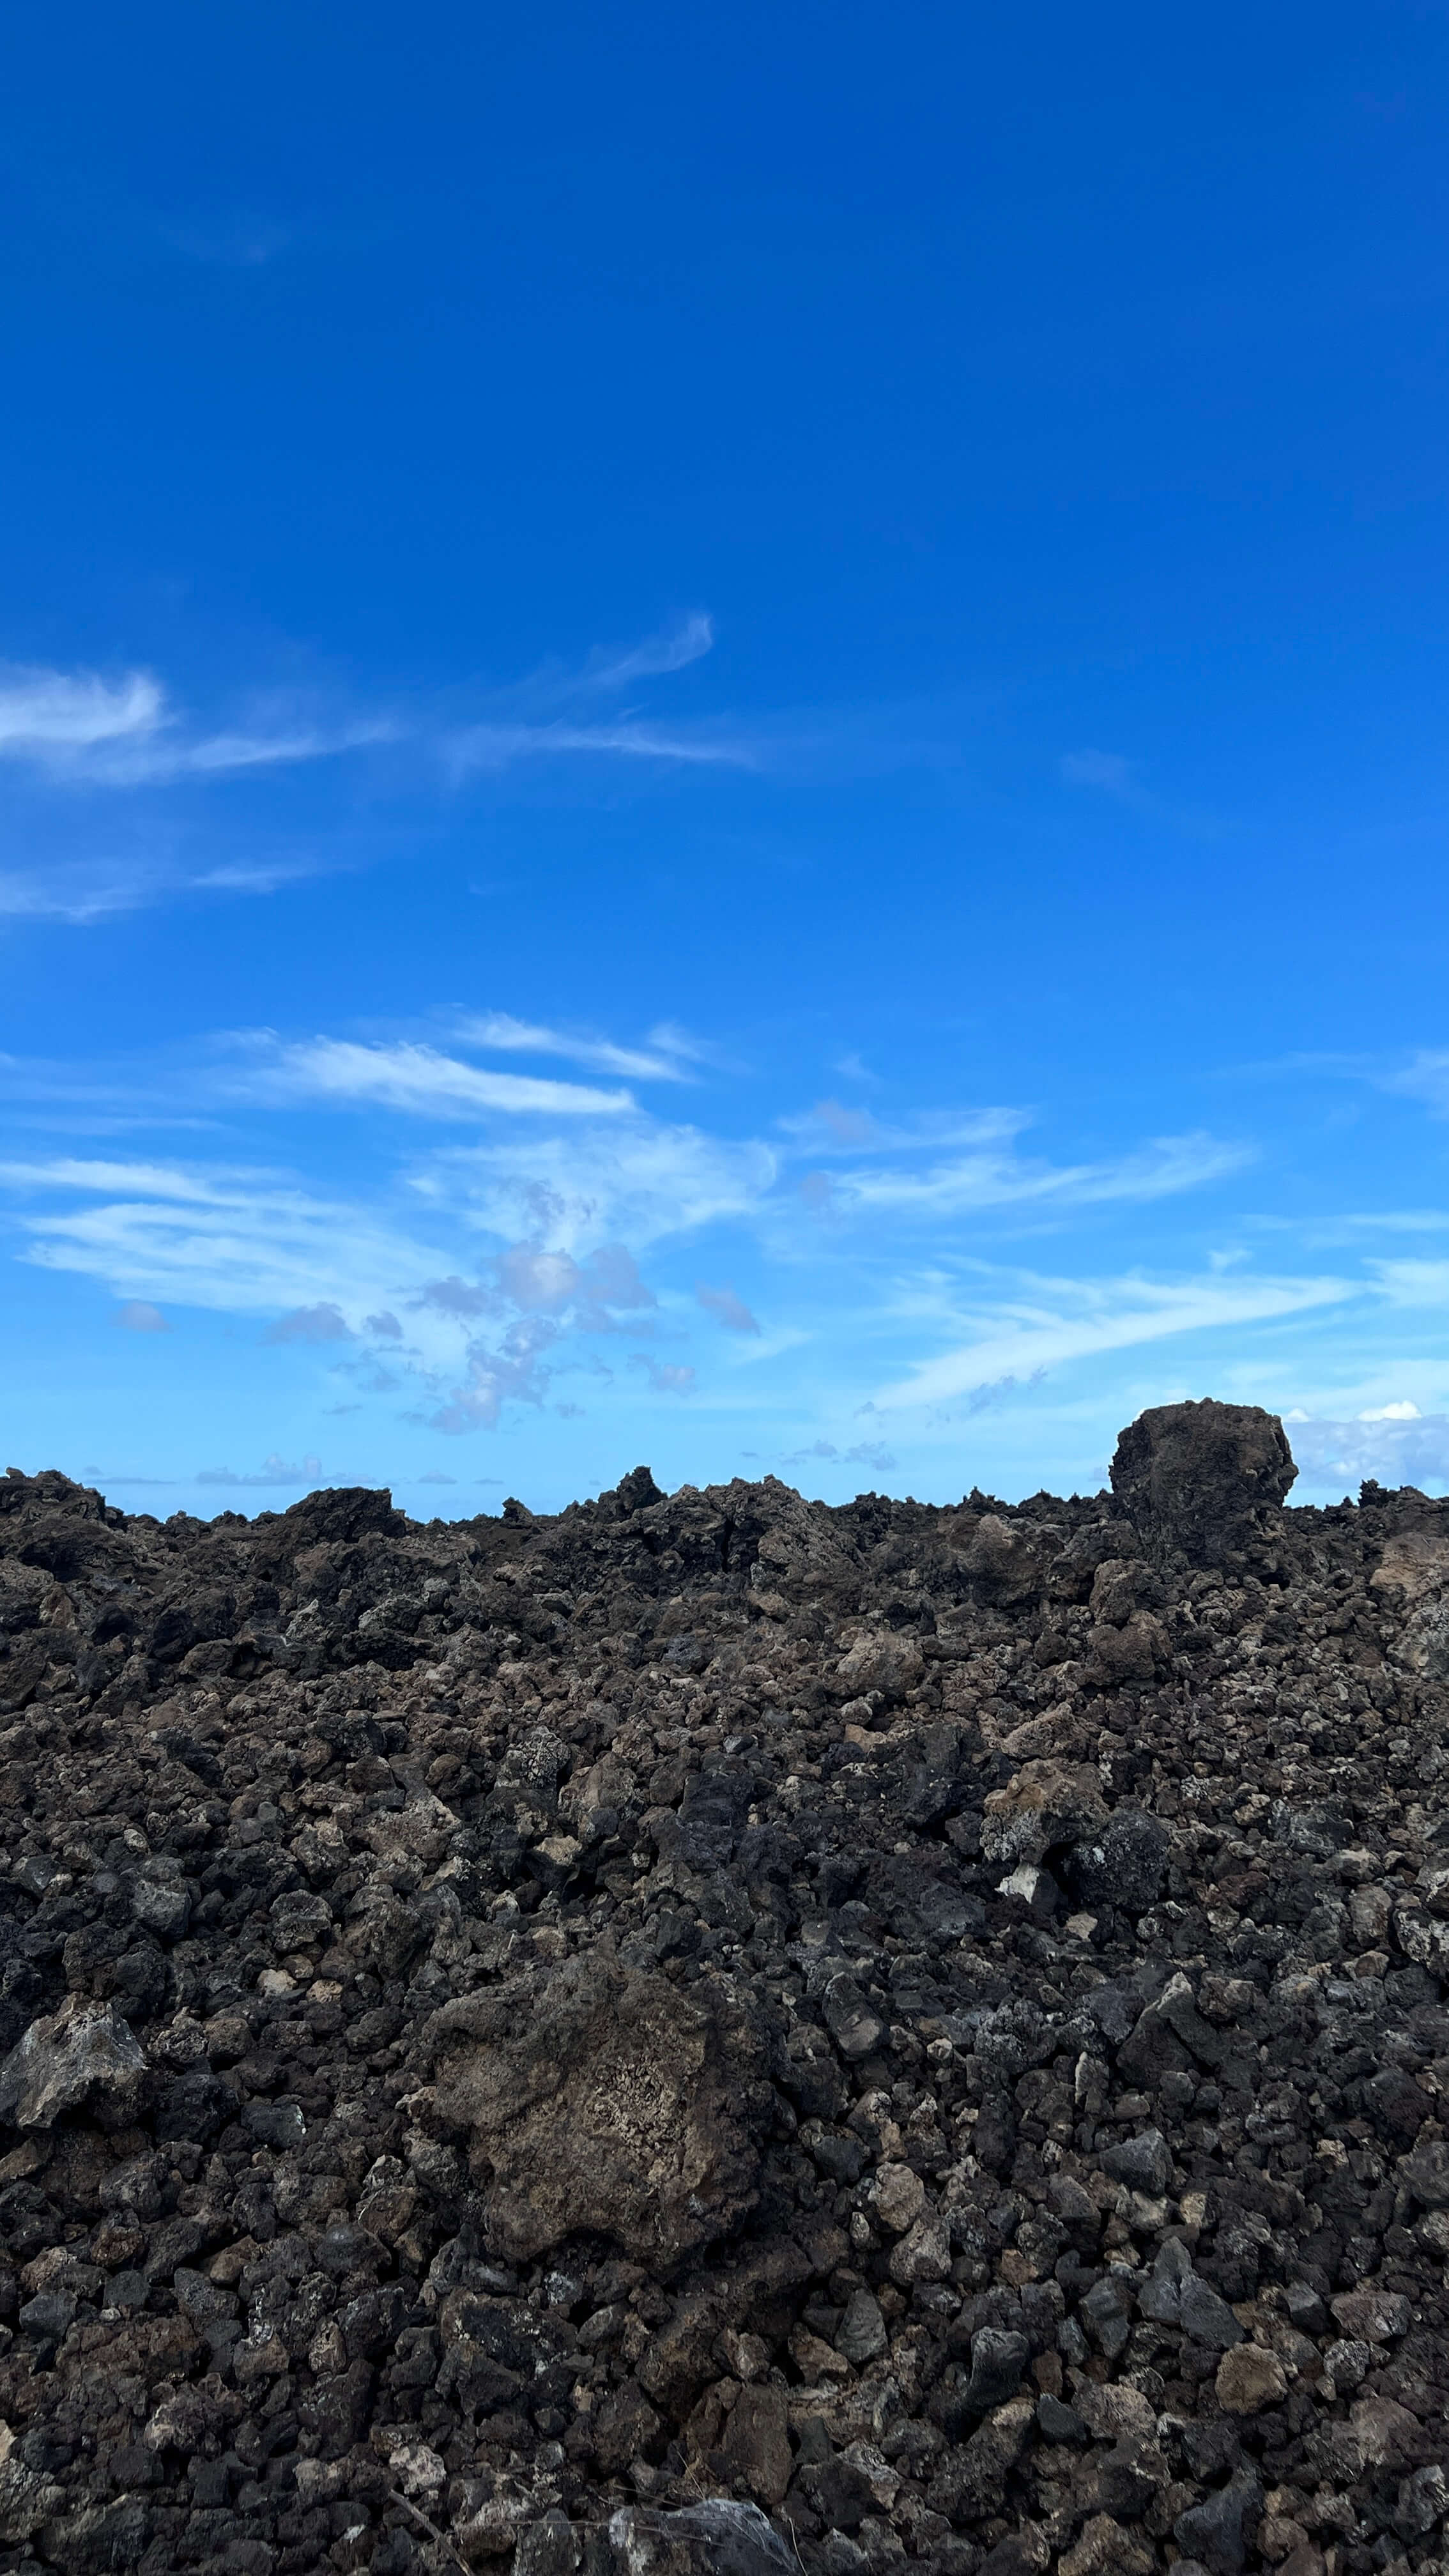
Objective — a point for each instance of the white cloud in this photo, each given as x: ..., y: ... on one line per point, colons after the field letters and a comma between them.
x: 43, y: 713
x: 419, y: 1080
x: 124, y: 733
x: 1385, y: 1444
x: 1054, y: 1322
x: 147, y: 1180
x: 234, y: 1242
x: 1426, y: 1078
x: 989, y: 1178
x: 1414, y: 1283
x: 499, y: 1032
x: 669, y: 651
x: 498, y: 745
x: 1401, y: 1412
x: 638, y: 1181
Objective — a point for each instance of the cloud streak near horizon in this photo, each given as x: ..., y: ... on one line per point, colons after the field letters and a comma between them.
x: 577, y: 1243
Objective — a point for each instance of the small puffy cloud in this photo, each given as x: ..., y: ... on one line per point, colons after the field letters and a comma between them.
x: 139, y: 1316
x: 866, y: 1453
x: 324, y: 1323
x: 275, y: 1470
x: 516, y: 1371
x: 455, y: 1296
x: 726, y: 1307
x: 435, y: 1476
x: 536, y: 1281
x: 1403, y: 1412
x: 385, y: 1326
x: 666, y: 1377
x: 847, y: 1126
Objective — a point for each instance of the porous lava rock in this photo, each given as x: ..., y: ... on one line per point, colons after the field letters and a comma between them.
x: 608, y: 2102
x: 1201, y: 1480
x: 703, y: 2034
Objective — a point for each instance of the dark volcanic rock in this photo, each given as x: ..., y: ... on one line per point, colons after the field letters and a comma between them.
x: 704, y: 2033
x: 1202, y: 1479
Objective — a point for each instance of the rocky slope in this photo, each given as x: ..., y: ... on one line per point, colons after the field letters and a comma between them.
x: 710, y: 2032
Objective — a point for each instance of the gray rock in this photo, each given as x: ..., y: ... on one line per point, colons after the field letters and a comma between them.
x: 861, y: 2334
x: 549, y: 2547
x: 1059, y: 2422
x: 161, y: 1908
x: 82, y: 2058
x: 716, y: 2538
x: 1144, y: 2163
x: 1218, y: 2530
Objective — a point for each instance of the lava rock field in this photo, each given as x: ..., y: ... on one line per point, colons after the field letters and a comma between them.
x: 712, y: 2033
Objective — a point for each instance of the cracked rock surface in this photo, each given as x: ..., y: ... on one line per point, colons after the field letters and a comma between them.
x: 712, y: 2033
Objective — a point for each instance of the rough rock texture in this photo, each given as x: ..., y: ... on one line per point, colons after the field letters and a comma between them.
x: 707, y: 2033
x: 604, y: 2101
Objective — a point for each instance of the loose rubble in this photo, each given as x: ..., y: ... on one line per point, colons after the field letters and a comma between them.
x: 712, y: 2033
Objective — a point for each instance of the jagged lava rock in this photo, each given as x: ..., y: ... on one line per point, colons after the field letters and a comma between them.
x: 1201, y: 1479
x: 703, y: 2032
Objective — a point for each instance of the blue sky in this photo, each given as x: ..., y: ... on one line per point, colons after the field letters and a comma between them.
x: 722, y: 739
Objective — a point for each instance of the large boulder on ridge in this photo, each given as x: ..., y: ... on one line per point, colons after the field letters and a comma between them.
x: 1201, y: 1480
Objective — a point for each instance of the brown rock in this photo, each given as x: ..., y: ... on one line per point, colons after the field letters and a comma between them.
x: 604, y: 2100
x: 757, y: 2443
x: 1249, y: 2379
x: 1045, y: 1804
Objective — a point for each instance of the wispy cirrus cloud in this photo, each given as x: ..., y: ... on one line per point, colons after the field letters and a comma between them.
x: 239, y: 1241
x: 463, y: 1279
x: 499, y: 1033
x: 672, y: 649
x: 497, y: 746
x: 1425, y: 1077
x: 84, y: 728
x: 418, y: 1080
x: 1045, y: 1324
x: 913, y: 1177
x: 90, y: 731
x: 46, y: 713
